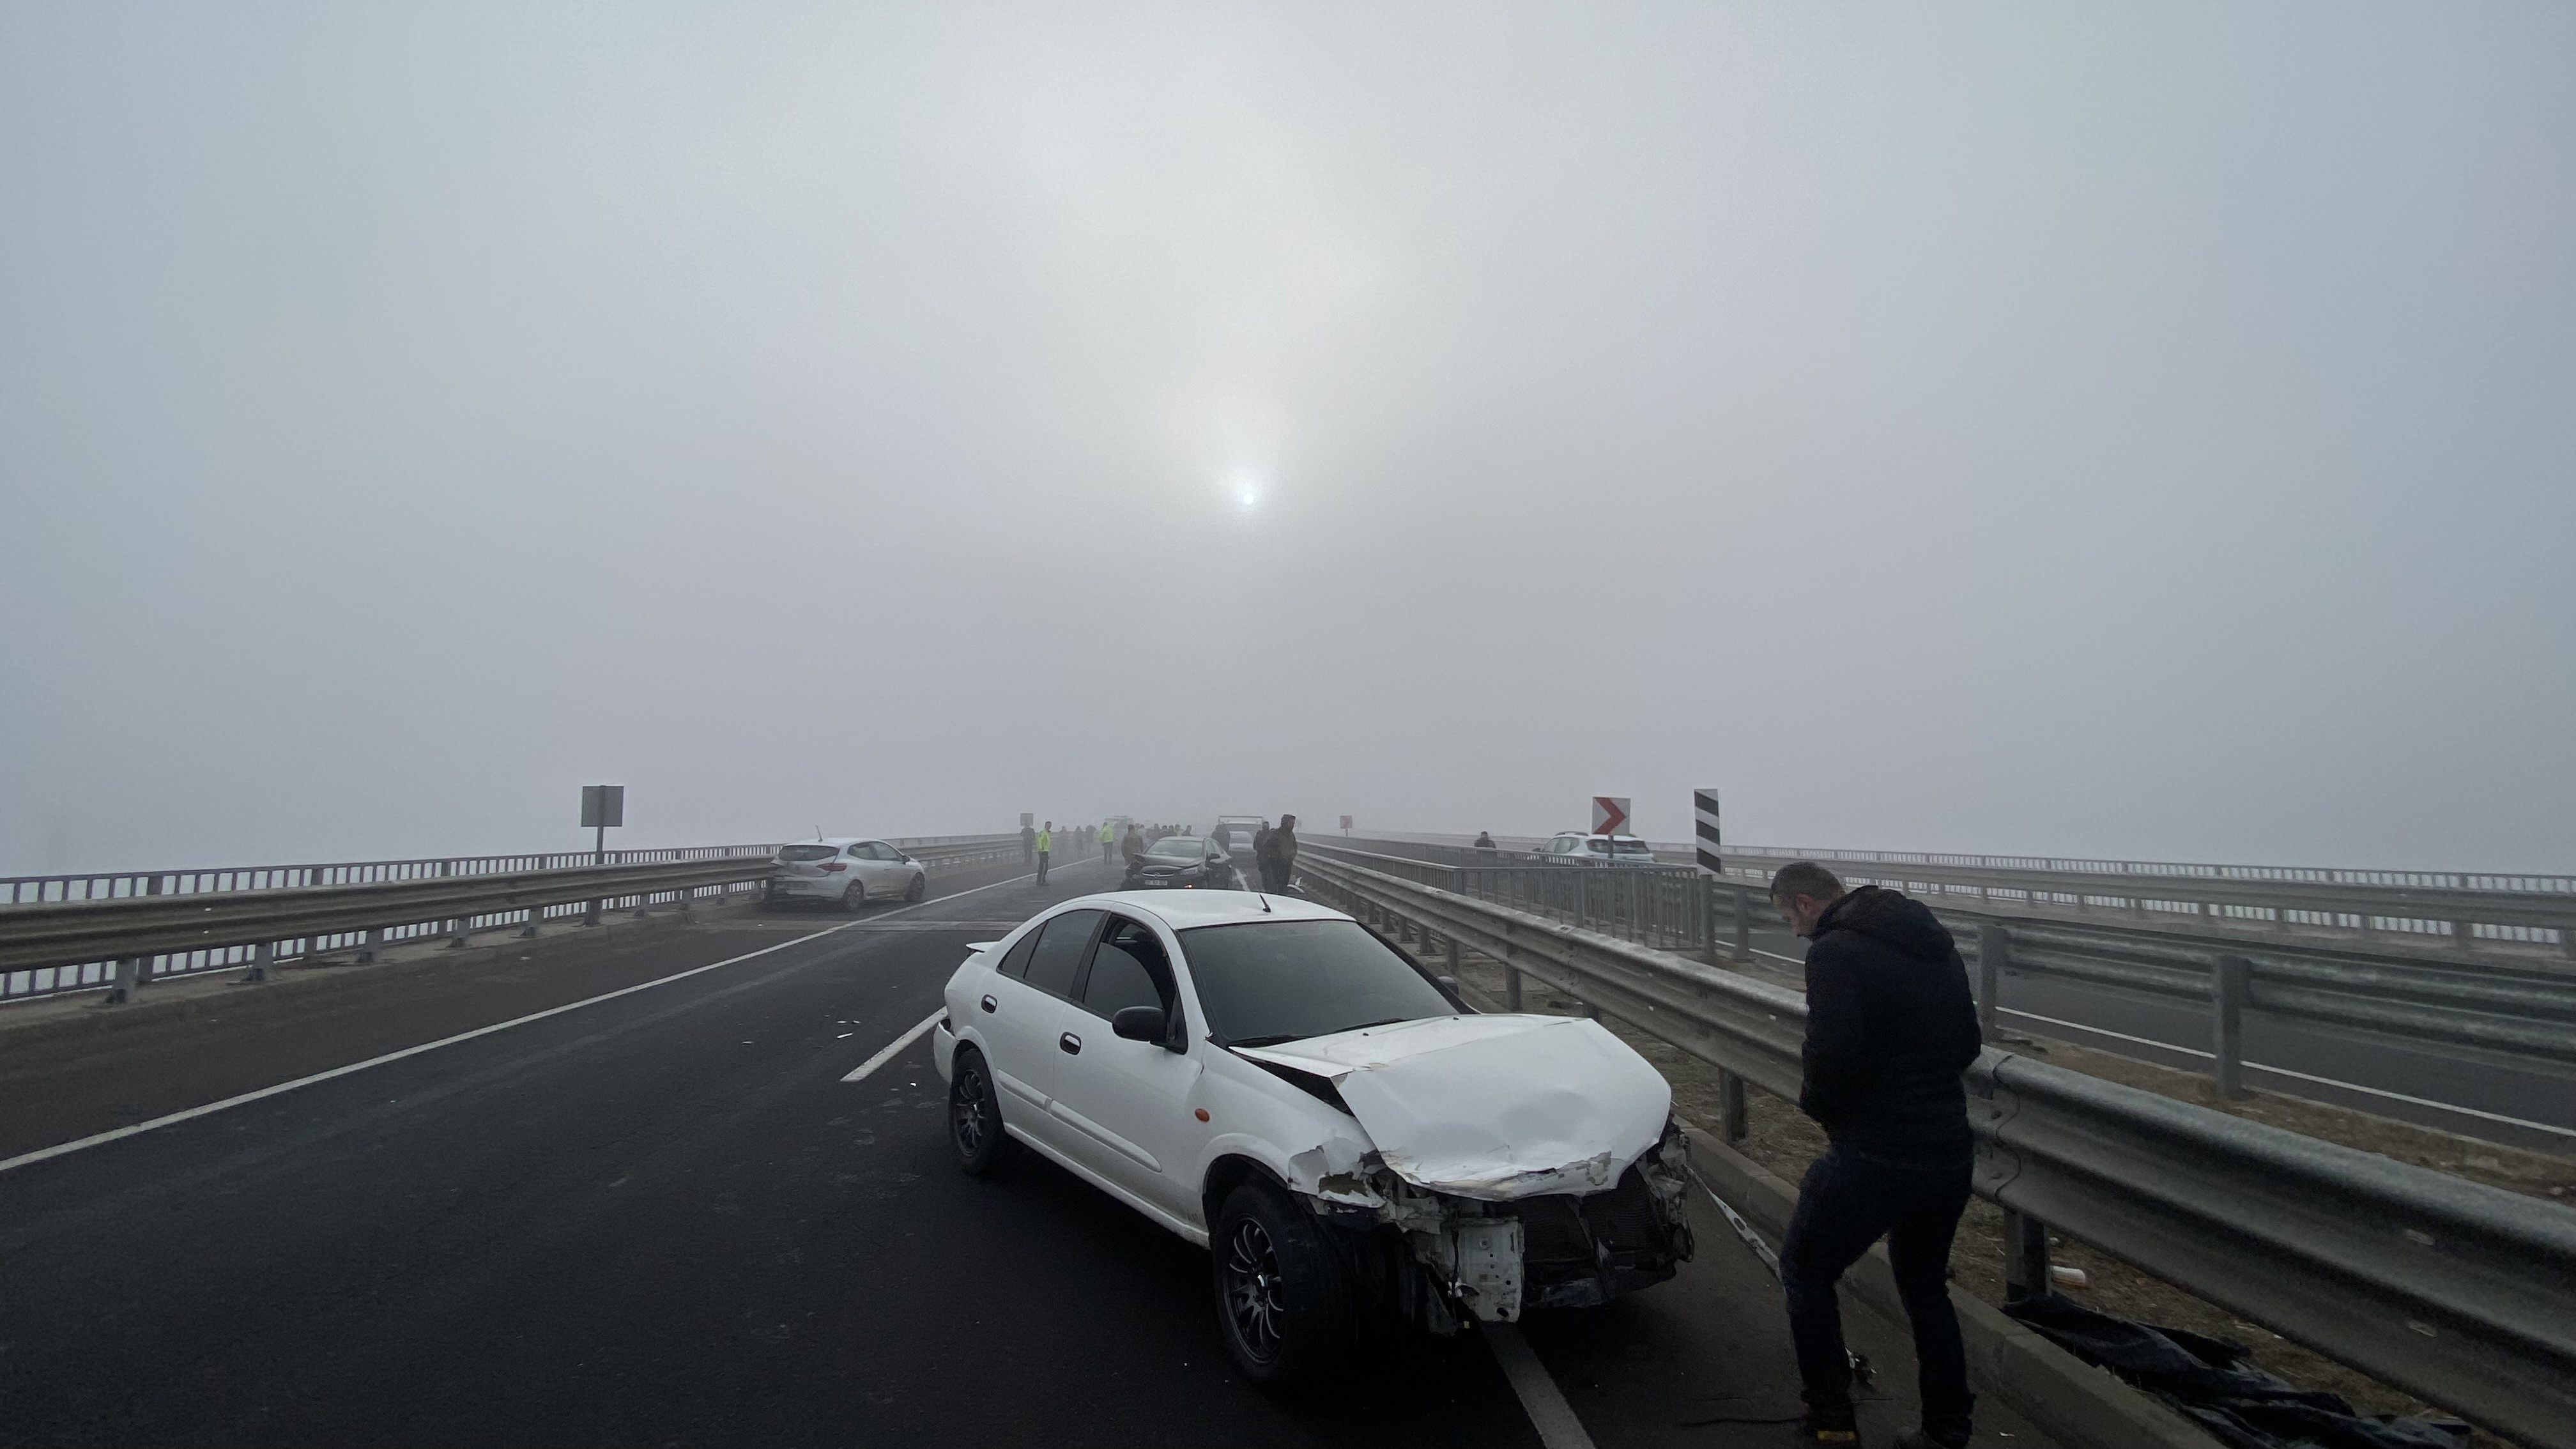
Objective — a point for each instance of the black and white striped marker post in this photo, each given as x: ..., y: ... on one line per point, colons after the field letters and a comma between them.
x: 1705, y: 843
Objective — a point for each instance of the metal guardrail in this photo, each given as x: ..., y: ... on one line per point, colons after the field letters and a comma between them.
x: 2522, y: 1012
x: 118, y: 931
x: 2461, y: 910
x: 2456, y: 1292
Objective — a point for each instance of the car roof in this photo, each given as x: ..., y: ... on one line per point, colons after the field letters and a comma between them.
x: 1182, y: 910
x: 836, y: 840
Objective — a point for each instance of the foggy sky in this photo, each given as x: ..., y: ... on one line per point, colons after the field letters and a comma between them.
x: 2141, y: 430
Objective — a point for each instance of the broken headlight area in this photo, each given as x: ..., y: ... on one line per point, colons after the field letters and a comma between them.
x: 1436, y: 1259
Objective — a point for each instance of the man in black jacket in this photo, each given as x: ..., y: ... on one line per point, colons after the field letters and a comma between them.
x: 1890, y: 1026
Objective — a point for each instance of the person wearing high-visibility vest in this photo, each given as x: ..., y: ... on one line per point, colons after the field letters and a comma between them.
x: 1046, y: 842
x: 1108, y: 840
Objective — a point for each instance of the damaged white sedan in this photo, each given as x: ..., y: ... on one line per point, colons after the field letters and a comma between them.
x: 1273, y: 1080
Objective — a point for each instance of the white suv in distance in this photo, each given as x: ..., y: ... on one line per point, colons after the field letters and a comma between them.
x: 1269, y: 1078
x: 846, y: 871
x: 1574, y: 847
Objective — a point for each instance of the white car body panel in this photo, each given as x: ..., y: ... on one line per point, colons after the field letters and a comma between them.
x: 1482, y: 1107
x: 1494, y: 1107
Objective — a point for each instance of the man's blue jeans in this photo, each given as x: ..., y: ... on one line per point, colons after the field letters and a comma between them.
x: 1846, y: 1204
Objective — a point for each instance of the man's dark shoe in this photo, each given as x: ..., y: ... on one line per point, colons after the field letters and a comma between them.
x: 1922, y: 1439
x: 1829, y: 1425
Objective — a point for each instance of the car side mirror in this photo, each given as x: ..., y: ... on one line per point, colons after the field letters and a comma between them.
x: 1140, y: 1023
x: 1449, y: 981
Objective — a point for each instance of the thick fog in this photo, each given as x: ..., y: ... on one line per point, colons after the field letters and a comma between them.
x: 2143, y: 431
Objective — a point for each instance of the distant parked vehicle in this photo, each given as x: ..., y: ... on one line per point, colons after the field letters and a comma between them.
x: 846, y: 871
x: 1574, y: 847
x: 1184, y: 862
x: 1239, y: 831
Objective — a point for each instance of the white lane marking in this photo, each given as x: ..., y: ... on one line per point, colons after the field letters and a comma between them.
x: 1544, y: 1402
x: 895, y: 1047
x: 2300, y: 1076
x: 99, y: 1139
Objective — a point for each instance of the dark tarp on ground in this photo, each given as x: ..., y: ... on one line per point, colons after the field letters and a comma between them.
x: 2208, y: 1381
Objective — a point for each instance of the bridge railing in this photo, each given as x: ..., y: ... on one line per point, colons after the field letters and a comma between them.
x: 2451, y: 1290
x: 120, y: 930
x: 2461, y: 910
x: 2521, y: 1012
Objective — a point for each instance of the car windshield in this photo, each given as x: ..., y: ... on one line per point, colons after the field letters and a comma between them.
x: 1184, y: 847
x: 808, y: 852
x: 1272, y: 981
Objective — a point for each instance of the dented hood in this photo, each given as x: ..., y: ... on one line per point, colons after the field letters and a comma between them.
x: 1493, y: 1107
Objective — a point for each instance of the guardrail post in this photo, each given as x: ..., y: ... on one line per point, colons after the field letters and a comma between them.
x: 1994, y: 953
x: 536, y: 918
x: 2464, y: 934
x: 1730, y: 1106
x: 1743, y: 925
x: 374, y: 943
x: 1582, y: 899
x: 2227, y: 1024
x: 1511, y: 988
x: 455, y: 924
x: 129, y: 977
x: 263, y: 960
x: 2025, y: 1256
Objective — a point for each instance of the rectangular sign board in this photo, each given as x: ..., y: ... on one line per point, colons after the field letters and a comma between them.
x: 1610, y: 815
x: 603, y: 805
x: 1346, y: 822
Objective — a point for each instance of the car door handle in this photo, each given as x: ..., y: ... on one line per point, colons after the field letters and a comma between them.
x: 988, y: 1003
x: 1072, y: 1044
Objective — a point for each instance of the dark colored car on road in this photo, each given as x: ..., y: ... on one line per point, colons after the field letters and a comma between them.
x: 1182, y: 861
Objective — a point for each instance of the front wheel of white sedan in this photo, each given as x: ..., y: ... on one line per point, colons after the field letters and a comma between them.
x: 1282, y: 1293
x: 920, y: 886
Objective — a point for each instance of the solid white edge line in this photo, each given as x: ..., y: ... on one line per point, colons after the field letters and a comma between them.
x: 895, y: 1047
x: 2302, y: 1076
x: 98, y: 1139
x: 1540, y: 1398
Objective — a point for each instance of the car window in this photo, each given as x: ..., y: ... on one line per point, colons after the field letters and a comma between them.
x: 1059, y: 954
x: 1016, y: 962
x: 808, y: 852
x: 1127, y: 969
x: 879, y: 850
x: 1274, y: 981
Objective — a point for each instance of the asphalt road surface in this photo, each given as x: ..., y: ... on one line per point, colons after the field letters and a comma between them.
x: 665, y: 1218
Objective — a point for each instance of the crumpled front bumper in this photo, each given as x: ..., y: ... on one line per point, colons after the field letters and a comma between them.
x: 1455, y: 1257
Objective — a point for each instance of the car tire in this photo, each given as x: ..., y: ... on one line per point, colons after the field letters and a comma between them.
x: 920, y: 886
x: 1283, y: 1296
x: 855, y: 896
x: 975, y: 1117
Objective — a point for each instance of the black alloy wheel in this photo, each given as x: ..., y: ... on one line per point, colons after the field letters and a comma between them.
x: 975, y: 1117
x: 1283, y: 1295
x: 855, y: 897
x: 920, y: 886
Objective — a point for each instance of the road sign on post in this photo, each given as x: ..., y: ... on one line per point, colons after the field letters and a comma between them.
x: 601, y: 807
x: 1704, y: 827
x: 1609, y: 814
x: 1346, y: 825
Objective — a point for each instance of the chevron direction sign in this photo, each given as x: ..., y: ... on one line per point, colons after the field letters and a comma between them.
x: 1609, y: 814
x: 1704, y: 822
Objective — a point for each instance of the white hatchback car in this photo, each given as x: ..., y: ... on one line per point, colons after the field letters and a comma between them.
x: 1270, y: 1078
x: 846, y: 871
x: 1574, y: 847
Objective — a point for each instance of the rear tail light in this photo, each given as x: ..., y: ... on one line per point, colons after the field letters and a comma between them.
x: 836, y: 866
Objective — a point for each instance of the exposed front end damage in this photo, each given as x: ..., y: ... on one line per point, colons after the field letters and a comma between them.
x: 1480, y: 1165
x: 1436, y: 1258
